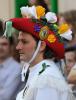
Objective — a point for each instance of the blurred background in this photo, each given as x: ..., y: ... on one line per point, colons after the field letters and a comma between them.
x: 10, y: 8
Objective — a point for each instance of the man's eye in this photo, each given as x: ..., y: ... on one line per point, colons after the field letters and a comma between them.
x: 24, y: 42
x: 4, y: 44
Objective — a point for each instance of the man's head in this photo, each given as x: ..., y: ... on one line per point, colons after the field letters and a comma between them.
x: 70, y: 58
x: 5, y: 44
x: 4, y: 48
x: 27, y: 45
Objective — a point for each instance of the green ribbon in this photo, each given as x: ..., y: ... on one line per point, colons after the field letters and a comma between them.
x: 8, y: 30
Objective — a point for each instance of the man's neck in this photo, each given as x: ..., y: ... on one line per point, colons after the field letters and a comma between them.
x: 36, y: 61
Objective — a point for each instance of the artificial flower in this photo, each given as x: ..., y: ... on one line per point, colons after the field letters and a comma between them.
x: 67, y: 35
x: 28, y: 12
x: 40, y: 11
x: 63, y: 28
x: 51, y: 38
x: 65, y: 32
x: 51, y: 17
x: 25, y: 11
x: 32, y: 11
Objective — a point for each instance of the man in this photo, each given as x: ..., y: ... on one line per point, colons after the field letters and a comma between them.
x: 70, y: 59
x: 38, y: 45
x: 70, y: 67
x: 9, y: 69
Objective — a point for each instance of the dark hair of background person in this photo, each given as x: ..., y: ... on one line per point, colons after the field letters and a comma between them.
x: 15, y: 53
x: 70, y: 49
x: 12, y: 42
x: 1, y: 28
x: 42, y: 3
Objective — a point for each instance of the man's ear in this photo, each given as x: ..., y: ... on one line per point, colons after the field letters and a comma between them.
x: 43, y: 46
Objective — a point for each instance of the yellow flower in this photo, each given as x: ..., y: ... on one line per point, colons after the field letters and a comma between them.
x: 51, y: 38
x: 63, y: 28
x: 40, y: 11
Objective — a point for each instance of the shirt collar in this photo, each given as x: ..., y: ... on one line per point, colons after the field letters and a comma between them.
x: 38, y: 66
x: 54, y: 70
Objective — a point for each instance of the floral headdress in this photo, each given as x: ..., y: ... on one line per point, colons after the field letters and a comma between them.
x: 43, y: 26
x: 49, y: 19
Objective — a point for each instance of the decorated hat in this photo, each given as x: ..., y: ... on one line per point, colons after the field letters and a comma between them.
x: 44, y: 27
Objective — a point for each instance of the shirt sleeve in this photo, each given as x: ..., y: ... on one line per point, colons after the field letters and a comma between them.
x: 50, y: 94
x: 9, y: 92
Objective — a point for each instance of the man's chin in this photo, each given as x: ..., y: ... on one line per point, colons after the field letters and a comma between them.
x: 22, y: 59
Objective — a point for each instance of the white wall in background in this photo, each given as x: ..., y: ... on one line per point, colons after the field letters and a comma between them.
x: 6, y: 9
x: 66, y: 5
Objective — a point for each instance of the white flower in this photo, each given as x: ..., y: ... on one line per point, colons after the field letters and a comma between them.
x: 25, y: 11
x: 51, y: 17
x: 67, y: 35
x: 28, y: 11
x: 32, y: 11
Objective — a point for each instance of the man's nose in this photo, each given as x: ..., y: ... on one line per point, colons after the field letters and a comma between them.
x: 19, y: 46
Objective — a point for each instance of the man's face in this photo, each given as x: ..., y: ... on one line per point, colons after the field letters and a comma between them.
x: 26, y: 46
x: 70, y: 59
x: 4, y: 48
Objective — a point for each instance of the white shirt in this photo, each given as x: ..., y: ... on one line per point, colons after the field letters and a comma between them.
x: 49, y: 85
x: 9, y: 79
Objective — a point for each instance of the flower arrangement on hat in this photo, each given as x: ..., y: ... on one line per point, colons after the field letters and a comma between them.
x: 43, y: 26
x: 37, y: 13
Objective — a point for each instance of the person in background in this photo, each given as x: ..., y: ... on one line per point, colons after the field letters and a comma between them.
x: 9, y: 68
x: 70, y: 59
x: 72, y: 79
x: 15, y: 52
x: 70, y: 67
